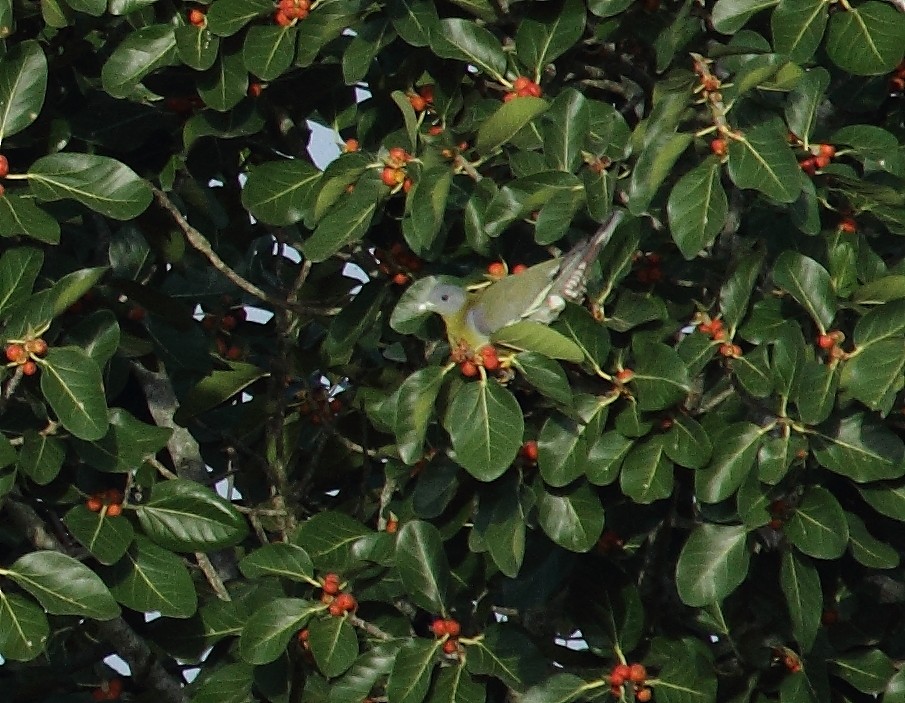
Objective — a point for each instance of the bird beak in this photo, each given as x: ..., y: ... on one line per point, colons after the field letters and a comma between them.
x: 423, y: 307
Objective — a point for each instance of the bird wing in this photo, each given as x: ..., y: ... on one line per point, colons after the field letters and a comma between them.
x: 512, y: 297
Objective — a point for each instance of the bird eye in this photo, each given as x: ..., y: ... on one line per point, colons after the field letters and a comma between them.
x: 445, y: 297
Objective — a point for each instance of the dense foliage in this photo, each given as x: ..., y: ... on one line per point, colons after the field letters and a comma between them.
x: 237, y: 453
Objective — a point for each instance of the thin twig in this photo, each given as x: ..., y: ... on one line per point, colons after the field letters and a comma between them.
x: 370, y: 628
x: 212, y: 577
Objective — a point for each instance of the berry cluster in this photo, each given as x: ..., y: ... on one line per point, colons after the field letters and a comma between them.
x: 424, y: 98
x: 112, y: 499
x: 820, y: 157
x: 339, y: 603
x: 318, y: 406
x: 780, y: 511
x: 108, y: 690
x: 829, y: 342
x: 398, y: 263
x: 713, y: 329
x: 897, y: 79
x: 470, y: 363
x: 223, y: 325
x: 393, y: 174
x: 523, y: 87
x: 290, y: 11
x: 649, y: 270
x: 636, y: 675
x: 449, y: 629
x: 198, y: 17
x: 25, y: 354
x: 498, y: 269
x: 730, y: 350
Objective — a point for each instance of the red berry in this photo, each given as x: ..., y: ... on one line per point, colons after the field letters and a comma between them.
x: 407, y: 185
x: 529, y: 450
x: 114, y: 510
x: 496, y: 269
x: 427, y: 92
x: 830, y: 616
x: 282, y: 19
x: 625, y: 375
x: 897, y: 84
x: 827, y: 150
x: 521, y: 83
x: 637, y: 673
x: 453, y: 628
x: 331, y: 584
x: 718, y: 147
x: 234, y: 353
x: 400, y: 279
x: 136, y: 314
x: 644, y: 695
x: 255, y: 89
x: 825, y: 341
x: 616, y: 680
x: 335, y: 610
x: 809, y: 166
x: 623, y: 670
x: 16, y: 353
x: 509, y: 96
x: 29, y: 368
x: 775, y: 524
x: 438, y: 627
x: 534, y: 90
x: 519, y: 268
x: 228, y: 323
x: 392, y: 526
x: 848, y: 225
x: 4, y: 166
x: 94, y: 504
x: 450, y: 647
x: 351, y: 145
x: 38, y: 347
x: 303, y: 635
x: 197, y: 17
x: 398, y: 156
x: 821, y: 161
x: 792, y: 663
x: 391, y: 177
x: 346, y: 601
x: 435, y: 130
x: 113, y: 495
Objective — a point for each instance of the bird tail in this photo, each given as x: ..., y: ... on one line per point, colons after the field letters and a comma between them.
x: 571, y: 281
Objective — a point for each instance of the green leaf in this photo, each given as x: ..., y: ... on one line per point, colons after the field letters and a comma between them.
x: 414, y: 403
x: 729, y: 16
x: 107, y: 538
x: 880, y: 290
x: 800, y: 584
x: 564, y: 441
x: 149, y: 578
x: 68, y: 289
x: 71, y: 383
x: 20, y: 215
x: 196, y: 47
x: 24, y: 629
x: 328, y: 537
x: 886, y: 498
x: 97, y: 182
x: 869, y: 671
x: 370, y: 667
x: 455, y: 685
x: 278, y: 559
x: 345, y: 224
x: 572, y: 518
x: 735, y: 294
x: 815, y: 395
x: 411, y: 675
x: 226, y: 17
x: 697, y: 208
x: 505, y: 653
x: 798, y: 27
x: 866, y: 548
x: 217, y: 388
x: 712, y: 563
x: 867, y: 39
x: 606, y: 457
x: 225, y: 83
x: 23, y: 83
x: 545, y: 375
x: 501, y: 523
x: 660, y: 379
x: 268, y: 50
x: 334, y: 645
x: 860, y: 448
x: 593, y: 340
x: 559, y: 688
x: 465, y: 40
x: 762, y: 160
x: 227, y: 684
x: 506, y: 121
x: 19, y: 268
x: 818, y: 527
x: 63, y: 586
x: 41, y: 457
x: 647, y: 472
x: 654, y: 164
x: 426, y: 209
x: 686, y: 443
x: 548, y: 33
x: 415, y: 20
x: 353, y: 322
x: 277, y: 192
x: 485, y: 424
x: 528, y: 335
x: 884, y: 322
x: 875, y: 375
x: 422, y: 565
x: 269, y: 629
x: 187, y: 517
x: 809, y: 283
x: 566, y: 129
x: 139, y: 54
x: 127, y: 443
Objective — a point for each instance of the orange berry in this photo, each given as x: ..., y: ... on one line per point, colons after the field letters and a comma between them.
x: 616, y: 681
x: 29, y: 368
x: 637, y: 673
x: 391, y: 176
x: 521, y: 83
x: 331, y: 584
x: 438, y: 627
x: 718, y: 147
x: 496, y: 269
x: 848, y: 225
x: 727, y: 349
x: 534, y: 90
x: 519, y: 268
x: 827, y: 150
x: 821, y: 161
x: 427, y: 92
x: 435, y: 130
x: 398, y: 156
x: 775, y: 524
x: 38, y: 347
x: 351, y: 145
x: 509, y: 96
x: 400, y: 279
x: 718, y: 335
x: 450, y: 647
x: 197, y: 17
x: 255, y: 89
x: 529, y: 450
x: 234, y: 353
x: 282, y: 19
x: 4, y: 166
x: 302, y: 636
x: 407, y: 185
x: 335, y: 610
x: 623, y: 670
x: 113, y: 495
x: 897, y: 83
x: 468, y: 369
x: 16, y: 353
x: 418, y: 103
x: 94, y: 504
x: 809, y: 166
x: 705, y: 328
x: 114, y: 510
x: 392, y: 526
x: 625, y: 375
x: 644, y: 695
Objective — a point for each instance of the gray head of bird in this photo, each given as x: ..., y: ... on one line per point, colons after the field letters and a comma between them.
x: 443, y: 298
